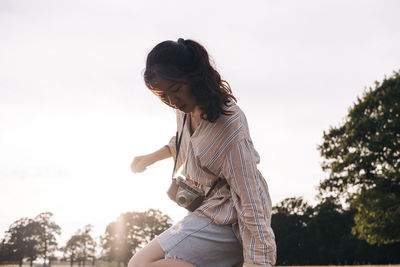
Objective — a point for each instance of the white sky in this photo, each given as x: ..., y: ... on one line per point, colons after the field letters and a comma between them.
x: 74, y: 110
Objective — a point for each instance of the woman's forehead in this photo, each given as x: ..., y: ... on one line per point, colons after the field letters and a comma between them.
x: 160, y: 84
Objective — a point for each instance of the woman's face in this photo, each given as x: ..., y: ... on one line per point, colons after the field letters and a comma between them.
x: 176, y: 94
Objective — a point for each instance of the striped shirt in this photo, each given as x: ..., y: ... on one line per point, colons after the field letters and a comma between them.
x: 224, y: 149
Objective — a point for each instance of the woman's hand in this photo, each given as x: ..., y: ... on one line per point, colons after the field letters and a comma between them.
x: 140, y: 163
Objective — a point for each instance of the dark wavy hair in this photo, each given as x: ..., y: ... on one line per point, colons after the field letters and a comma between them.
x: 187, y: 61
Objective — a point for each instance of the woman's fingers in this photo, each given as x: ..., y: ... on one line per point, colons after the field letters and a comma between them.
x: 138, y: 164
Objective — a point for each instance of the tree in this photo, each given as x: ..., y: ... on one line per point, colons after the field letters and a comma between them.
x: 80, y: 247
x: 290, y: 219
x: 152, y: 223
x: 321, y: 235
x: 378, y: 212
x: 362, y: 157
x: 86, y: 244
x: 293, y: 206
x: 328, y: 226
x: 22, y: 240
x: 5, y: 253
x: 131, y: 231
x: 31, y: 238
x: 71, y: 249
x: 47, y: 236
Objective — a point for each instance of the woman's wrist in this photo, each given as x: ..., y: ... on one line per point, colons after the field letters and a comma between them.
x: 160, y: 154
x: 151, y: 158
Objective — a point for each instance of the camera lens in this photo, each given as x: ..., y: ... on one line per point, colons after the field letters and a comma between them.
x: 181, y: 200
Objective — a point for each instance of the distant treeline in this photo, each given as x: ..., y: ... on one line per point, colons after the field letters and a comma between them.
x: 35, y: 239
x: 305, y: 235
x: 323, y: 235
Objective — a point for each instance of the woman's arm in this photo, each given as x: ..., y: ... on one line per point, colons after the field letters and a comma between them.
x: 140, y: 163
x: 254, y: 206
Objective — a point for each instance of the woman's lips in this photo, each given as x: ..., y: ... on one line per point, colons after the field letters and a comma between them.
x: 181, y: 108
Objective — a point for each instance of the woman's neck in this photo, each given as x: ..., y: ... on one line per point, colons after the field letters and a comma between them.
x: 194, y: 120
x: 196, y: 114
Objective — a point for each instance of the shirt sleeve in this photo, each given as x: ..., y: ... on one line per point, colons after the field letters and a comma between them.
x: 253, y: 205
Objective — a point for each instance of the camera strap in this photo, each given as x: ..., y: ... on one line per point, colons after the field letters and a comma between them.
x: 178, y: 141
x: 213, y: 186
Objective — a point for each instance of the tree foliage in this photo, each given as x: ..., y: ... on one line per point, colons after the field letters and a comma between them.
x: 290, y: 220
x: 362, y: 157
x: 366, y: 148
x: 328, y: 226
x: 47, y: 236
x: 378, y: 214
x: 30, y: 239
x: 22, y: 240
x: 80, y: 247
x: 305, y: 235
x: 131, y: 231
x: 321, y: 235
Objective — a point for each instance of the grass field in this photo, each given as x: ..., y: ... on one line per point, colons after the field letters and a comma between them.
x: 114, y: 265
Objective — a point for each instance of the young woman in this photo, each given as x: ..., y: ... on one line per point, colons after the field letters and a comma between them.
x: 231, y: 227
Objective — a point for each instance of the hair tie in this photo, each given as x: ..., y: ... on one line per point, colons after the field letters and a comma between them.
x: 181, y: 41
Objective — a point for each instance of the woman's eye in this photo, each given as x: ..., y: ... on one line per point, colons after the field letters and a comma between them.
x: 176, y: 90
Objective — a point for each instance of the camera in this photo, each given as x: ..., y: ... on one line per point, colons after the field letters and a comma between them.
x: 185, y: 195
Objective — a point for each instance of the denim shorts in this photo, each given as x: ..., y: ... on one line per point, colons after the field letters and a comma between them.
x: 201, y: 242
